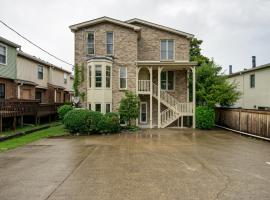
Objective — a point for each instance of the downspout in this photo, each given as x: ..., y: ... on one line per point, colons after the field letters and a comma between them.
x: 19, y: 90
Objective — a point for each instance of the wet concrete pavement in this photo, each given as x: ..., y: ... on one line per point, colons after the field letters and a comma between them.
x: 154, y: 164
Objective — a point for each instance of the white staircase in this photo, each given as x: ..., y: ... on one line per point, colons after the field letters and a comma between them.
x: 174, y: 110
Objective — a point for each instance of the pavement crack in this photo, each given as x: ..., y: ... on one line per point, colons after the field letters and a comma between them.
x: 228, y: 182
x: 72, y: 171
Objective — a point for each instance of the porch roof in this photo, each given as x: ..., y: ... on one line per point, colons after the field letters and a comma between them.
x: 169, y: 64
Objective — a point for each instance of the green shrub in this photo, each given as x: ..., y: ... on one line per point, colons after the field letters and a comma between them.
x: 92, y: 121
x: 205, y: 117
x: 75, y: 120
x: 63, y: 110
x: 109, y: 123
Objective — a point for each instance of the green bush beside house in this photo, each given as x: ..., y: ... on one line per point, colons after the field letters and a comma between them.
x: 205, y: 117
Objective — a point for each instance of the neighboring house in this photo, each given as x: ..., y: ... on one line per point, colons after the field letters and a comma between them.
x: 43, y: 81
x: 8, y: 74
x: 146, y: 58
x: 253, y: 84
x: 23, y: 76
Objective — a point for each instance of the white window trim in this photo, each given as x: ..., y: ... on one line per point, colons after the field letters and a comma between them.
x: 94, y: 33
x: 112, y: 43
x: 106, y: 106
x: 143, y: 102
x: 6, y: 54
x: 167, y: 50
x: 167, y: 80
x: 102, y: 77
x: 120, y: 79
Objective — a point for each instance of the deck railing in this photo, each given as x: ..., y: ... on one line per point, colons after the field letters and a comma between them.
x: 144, y: 85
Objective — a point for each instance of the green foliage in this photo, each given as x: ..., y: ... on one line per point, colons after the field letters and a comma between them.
x: 75, y: 120
x: 212, y: 87
x: 195, y: 52
x: 109, y: 123
x: 129, y: 107
x: 85, y: 121
x: 92, y: 121
x: 205, y: 117
x: 76, y: 81
x: 63, y: 110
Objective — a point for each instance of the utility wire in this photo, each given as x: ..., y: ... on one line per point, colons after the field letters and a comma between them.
x: 35, y: 44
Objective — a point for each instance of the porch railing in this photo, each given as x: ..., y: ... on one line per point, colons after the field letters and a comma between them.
x: 144, y: 85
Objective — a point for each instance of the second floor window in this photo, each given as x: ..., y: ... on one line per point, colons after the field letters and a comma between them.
x: 98, y: 74
x: 90, y: 43
x: 109, y: 43
x: 167, y: 49
x: 108, y: 76
x: 3, y: 54
x: 65, y: 78
x: 40, y: 72
x: 123, y: 78
x: 252, y: 81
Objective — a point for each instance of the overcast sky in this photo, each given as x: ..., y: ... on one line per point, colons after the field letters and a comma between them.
x: 232, y: 31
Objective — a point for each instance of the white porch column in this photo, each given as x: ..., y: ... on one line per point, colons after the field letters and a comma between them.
x: 159, y: 86
x: 194, y: 96
x: 137, y: 77
x: 188, y: 85
x: 19, y: 91
x: 151, y: 97
x: 55, y: 96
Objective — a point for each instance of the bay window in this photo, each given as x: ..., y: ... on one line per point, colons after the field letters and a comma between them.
x: 108, y: 76
x: 123, y: 78
x: 167, y: 49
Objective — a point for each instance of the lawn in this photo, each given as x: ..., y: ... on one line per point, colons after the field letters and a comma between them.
x: 16, y: 142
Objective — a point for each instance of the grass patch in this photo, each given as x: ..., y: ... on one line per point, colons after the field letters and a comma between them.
x: 16, y: 142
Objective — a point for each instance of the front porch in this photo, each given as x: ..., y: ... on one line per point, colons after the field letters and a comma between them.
x: 163, y: 89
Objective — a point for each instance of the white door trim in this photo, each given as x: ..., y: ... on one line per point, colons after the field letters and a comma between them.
x: 143, y: 122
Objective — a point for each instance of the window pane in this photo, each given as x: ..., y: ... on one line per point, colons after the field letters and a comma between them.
x: 252, y: 81
x: 109, y: 37
x: 108, y: 76
x: 40, y: 72
x: 109, y: 49
x: 108, y: 107
x: 170, y: 49
x: 98, y: 107
x: 90, y: 43
x: 89, y: 106
x: 163, y: 47
x: 98, y: 73
x: 170, y: 80
x: 2, y: 59
x: 123, y: 82
x: 163, y: 75
x: 2, y: 50
x: 123, y: 71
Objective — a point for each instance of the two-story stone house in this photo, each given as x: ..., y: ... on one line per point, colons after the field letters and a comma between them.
x: 146, y: 58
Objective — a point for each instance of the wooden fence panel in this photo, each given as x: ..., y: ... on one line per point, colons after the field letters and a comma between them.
x: 254, y: 122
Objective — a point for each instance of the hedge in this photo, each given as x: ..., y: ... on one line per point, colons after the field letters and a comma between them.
x: 205, y: 117
x: 63, y: 110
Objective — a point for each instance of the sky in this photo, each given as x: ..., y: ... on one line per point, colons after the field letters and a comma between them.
x: 232, y: 30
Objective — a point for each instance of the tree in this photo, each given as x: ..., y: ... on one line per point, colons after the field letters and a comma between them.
x: 129, y: 107
x: 211, y: 85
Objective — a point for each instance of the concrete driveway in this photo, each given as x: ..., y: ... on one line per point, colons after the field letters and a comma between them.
x: 154, y: 164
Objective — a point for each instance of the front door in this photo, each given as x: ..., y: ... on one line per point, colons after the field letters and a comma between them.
x: 143, y: 112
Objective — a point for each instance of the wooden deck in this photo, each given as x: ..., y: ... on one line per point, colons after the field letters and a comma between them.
x: 18, y: 108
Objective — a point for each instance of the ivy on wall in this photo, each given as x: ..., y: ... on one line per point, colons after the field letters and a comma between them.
x: 78, y: 80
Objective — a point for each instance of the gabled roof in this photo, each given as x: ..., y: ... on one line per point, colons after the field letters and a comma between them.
x: 165, y: 28
x: 250, y: 70
x: 7, y: 42
x: 101, y: 20
x: 34, y: 58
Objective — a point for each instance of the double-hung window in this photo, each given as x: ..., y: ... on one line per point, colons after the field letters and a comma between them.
x: 40, y: 72
x: 98, y: 107
x: 90, y: 43
x: 108, y: 76
x: 167, y: 80
x: 108, y: 107
x: 252, y: 81
x: 65, y: 77
x: 98, y: 74
x: 123, y: 78
x: 167, y: 49
x: 109, y: 43
x: 3, y: 54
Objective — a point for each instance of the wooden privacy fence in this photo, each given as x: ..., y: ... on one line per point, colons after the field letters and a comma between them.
x: 253, y: 122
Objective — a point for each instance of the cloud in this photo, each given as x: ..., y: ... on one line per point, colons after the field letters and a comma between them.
x: 232, y: 31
